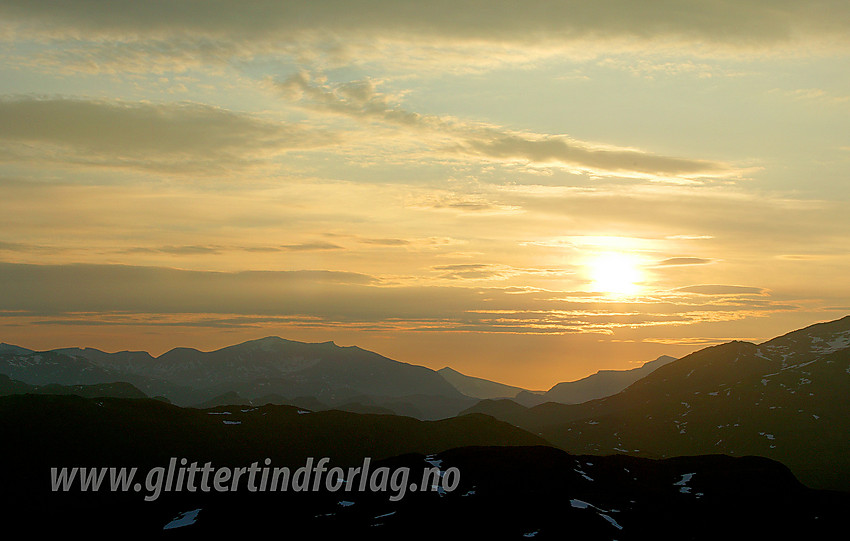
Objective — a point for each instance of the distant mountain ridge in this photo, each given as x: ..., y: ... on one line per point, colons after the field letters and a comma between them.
x: 264, y: 367
x: 787, y: 399
x: 478, y: 387
x: 601, y: 384
x: 9, y: 386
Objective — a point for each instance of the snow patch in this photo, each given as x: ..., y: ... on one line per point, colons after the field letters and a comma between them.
x: 839, y: 341
x: 186, y: 518
x: 391, y: 513
x: 683, y: 483
x: 579, y: 504
x: 611, y: 520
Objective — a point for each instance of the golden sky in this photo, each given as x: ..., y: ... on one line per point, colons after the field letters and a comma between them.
x: 525, y: 191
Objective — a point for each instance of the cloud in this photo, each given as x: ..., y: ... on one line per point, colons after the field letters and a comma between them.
x: 386, y: 242
x: 460, y: 203
x: 311, y: 246
x: 86, y: 292
x: 197, y: 249
x: 722, y: 290
x: 745, y: 24
x: 773, y: 222
x: 173, y: 250
x: 681, y: 261
x: 451, y: 137
x: 579, y: 156
x: 176, y: 137
x: 473, y: 271
x: 24, y: 247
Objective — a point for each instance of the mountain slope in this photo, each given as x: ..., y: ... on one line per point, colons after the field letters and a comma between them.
x: 785, y: 399
x: 83, y: 431
x: 601, y: 384
x: 44, y: 367
x: 113, y: 390
x: 478, y: 387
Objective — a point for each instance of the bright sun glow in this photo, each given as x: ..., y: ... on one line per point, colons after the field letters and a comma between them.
x: 615, y: 274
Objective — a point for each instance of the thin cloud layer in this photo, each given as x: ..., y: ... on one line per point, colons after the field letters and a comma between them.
x: 76, y: 292
x: 684, y: 261
x: 713, y: 289
x: 173, y: 136
x: 361, y: 100
x: 744, y: 24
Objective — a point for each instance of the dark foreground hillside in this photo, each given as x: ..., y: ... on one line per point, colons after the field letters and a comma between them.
x: 493, y: 480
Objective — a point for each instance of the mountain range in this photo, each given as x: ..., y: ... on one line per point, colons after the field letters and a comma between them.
x: 313, y: 375
x: 599, y: 385
x: 713, y: 444
x: 786, y: 399
x: 266, y: 370
x: 479, y: 387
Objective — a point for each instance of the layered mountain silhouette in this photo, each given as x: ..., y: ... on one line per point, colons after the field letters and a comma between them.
x: 601, y: 384
x: 9, y: 386
x: 711, y: 445
x: 785, y: 399
x: 269, y: 367
x: 479, y: 387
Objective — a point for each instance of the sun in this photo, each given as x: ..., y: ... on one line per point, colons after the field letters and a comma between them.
x: 615, y: 274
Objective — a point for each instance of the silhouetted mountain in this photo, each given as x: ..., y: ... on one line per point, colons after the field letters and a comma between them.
x: 226, y: 399
x: 275, y: 365
x: 271, y: 366
x: 505, y: 410
x: 359, y: 407
x: 113, y: 390
x: 10, y: 348
x: 478, y: 387
x: 435, y: 406
x: 91, y: 431
x: 785, y: 399
x: 44, y: 367
x: 599, y: 385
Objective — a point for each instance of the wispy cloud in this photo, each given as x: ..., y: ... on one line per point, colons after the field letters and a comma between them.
x: 177, y: 137
x: 746, y: 25
x: 311, y: 246
x: 712, y: 289
x: 386, y: 242
x: 323, y: 297
x: 452, y: 137
x: 683, y: 261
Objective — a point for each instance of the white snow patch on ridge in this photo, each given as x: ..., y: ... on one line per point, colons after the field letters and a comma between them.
x: 839, y: 341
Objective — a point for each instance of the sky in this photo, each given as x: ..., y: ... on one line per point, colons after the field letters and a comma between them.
x: 525, y: 191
